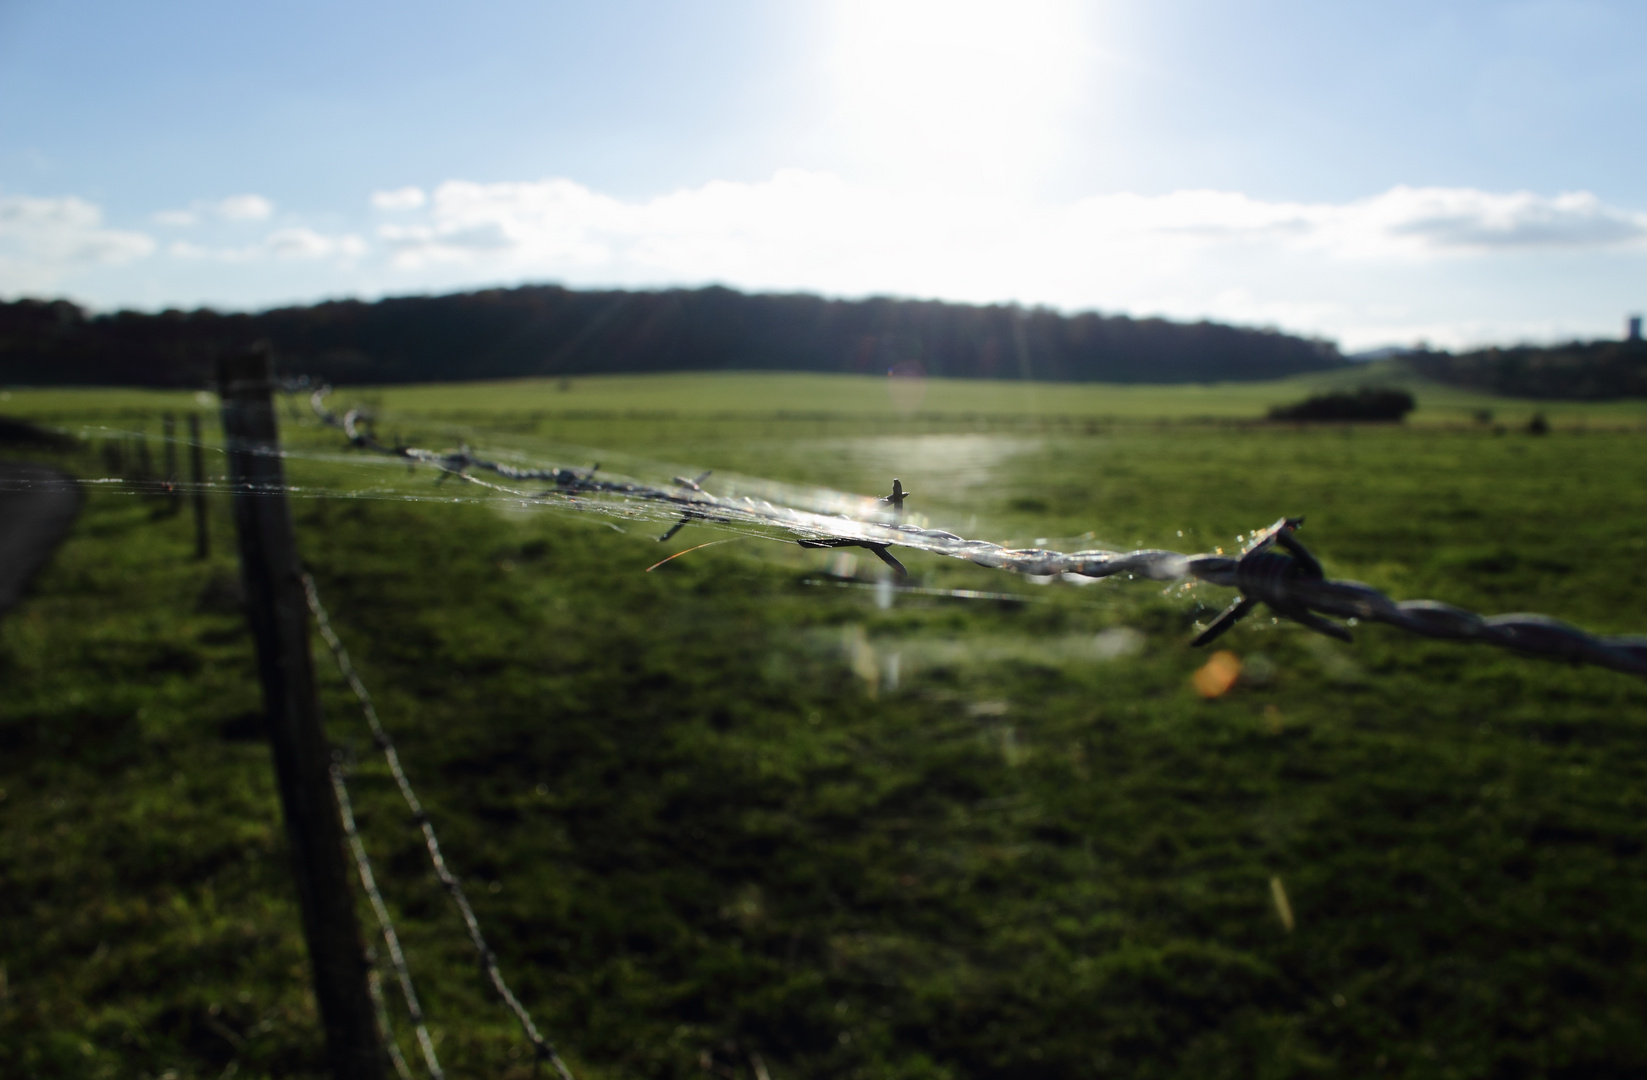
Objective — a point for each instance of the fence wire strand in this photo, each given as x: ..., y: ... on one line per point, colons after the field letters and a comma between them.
x: 374, y: 987
x: 391, y: 940
x: 1289, y: 581
x: 543, y: 1048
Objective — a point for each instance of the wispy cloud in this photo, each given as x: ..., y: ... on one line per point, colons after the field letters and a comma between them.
x: 293, y: 243
x: 233, y: 208
x: 802, y: 230
x: 308, y: 244
x: 243, y: 208
x: 1194, y: 253
x: 1393, y: 266
x: 1463, y: 219
x: 406, y: 198
x: 44, y: 240
x: 801, y: 219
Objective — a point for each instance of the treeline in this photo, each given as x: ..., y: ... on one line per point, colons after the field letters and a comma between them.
x: 552, y: 331
x: 1586, y: 371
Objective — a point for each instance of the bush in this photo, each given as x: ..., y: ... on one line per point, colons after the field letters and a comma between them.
x: 14, y: 432
x: 1368, y: 403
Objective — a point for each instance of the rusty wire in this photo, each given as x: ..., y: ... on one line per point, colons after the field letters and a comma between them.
x: 543, y: 1049
x: 1290, y: 582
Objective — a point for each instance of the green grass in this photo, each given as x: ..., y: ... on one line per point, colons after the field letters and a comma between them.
x: 698, y: 821
x: 859, y: 399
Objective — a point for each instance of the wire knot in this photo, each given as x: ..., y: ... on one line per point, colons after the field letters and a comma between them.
x: 1265, y: 575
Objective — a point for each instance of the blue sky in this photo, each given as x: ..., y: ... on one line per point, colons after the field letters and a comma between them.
x: 1375, y: 174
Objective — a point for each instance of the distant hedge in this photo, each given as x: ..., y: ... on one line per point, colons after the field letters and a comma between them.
x: 1368, y: 403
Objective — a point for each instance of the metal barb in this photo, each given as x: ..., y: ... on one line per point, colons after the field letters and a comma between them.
x: 693, y: 484
x: 1264, y: 576
x: 896, y: 499
x: 880, y: 550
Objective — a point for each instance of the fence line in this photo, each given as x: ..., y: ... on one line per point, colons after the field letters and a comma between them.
x: 544, y: 1050
x: 1290, y: 581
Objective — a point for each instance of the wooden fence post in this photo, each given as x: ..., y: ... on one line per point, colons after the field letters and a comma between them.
x: 145, y: 463
x: 168, y: 454
x: 279, y: 616
x: 197, y: 476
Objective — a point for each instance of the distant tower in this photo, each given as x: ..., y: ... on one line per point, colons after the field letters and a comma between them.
x: 1635, y: 329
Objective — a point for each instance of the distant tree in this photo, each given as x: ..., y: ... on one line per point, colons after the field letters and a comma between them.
x: 1595, y: 370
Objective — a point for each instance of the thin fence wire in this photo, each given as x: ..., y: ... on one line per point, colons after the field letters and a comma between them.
x: 544, y: 1050
x: 374, y: 987
x: 391, y: 940
x: 1273, y: 568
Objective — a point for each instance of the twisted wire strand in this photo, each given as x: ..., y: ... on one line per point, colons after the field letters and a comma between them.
x: 1538, y: 635
x: 544, y: 1050
x: 1303, y: 598
x: 391, y: 940
x: 374, y: 987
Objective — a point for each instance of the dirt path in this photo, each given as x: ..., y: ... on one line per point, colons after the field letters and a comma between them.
x: 37, y: 506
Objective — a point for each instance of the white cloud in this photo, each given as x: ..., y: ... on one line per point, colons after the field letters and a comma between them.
x: 290, y: 244
x: 814, y: 230
x: 233, y: 208
x: 44, y: 240
x: 1404, y: 221
x: 1345, y: 269
x: 308, y: 244
x: 1475, y: 220
x: 184, y: 249
x: 243, y: 208
x: 406, y: 198
x: 1455, y: 265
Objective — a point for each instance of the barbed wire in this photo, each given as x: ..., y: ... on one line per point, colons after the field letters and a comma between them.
x: 1290, y: 582
x: 543, y: 1049
x: 391, y: 941
x: 374, y: 990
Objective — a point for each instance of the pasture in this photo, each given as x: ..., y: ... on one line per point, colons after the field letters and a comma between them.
x: 737, y: 808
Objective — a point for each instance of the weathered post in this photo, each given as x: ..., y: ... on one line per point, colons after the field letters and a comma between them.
x: 145, y: 463
x: 168, y: 455
x: 168, y: 447
x: 279, y: 618
x: 197, y: 478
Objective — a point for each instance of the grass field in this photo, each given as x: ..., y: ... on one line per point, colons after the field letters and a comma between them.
x: 715, y: 811
x: 857, y: 400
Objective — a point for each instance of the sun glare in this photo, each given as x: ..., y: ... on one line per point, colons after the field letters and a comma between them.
x: 969, y: 93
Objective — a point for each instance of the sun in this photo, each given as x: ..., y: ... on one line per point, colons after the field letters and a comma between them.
x: 968, y: 93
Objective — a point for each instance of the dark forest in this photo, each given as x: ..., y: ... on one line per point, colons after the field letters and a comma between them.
x: 1578, y: 370
x: 553, y: 331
